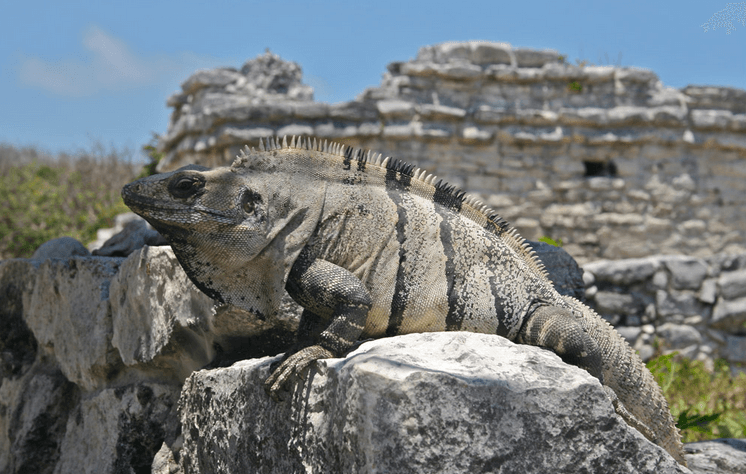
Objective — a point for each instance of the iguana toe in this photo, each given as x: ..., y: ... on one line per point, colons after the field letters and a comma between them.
x: 295, y: 364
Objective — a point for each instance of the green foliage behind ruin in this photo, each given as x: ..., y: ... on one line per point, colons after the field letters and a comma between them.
x: 705, y: 405
x: 44, y: 196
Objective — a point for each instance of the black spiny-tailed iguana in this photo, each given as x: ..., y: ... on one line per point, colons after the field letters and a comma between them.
x: 373, y: 248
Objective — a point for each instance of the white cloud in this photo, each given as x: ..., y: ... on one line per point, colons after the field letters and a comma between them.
x: 110, y: 65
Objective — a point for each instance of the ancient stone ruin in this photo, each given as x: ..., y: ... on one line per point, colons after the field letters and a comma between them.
x: 607, y: 159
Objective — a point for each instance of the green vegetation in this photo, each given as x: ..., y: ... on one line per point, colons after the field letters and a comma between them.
x: 45, y: 196
x: 575, y: 86
x: 548, y: 240
x: 706, y: 405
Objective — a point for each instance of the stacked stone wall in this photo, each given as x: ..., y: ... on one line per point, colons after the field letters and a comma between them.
x: 607, y: 159
x: 674, y: 303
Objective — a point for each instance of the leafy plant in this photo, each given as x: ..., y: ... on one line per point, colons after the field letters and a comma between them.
x: 706, y: 405
x: 155, y: 156
x: 550, y: 241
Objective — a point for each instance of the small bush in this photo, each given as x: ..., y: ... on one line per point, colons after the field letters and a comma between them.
x: 706, y: 405
x: 45, y: 196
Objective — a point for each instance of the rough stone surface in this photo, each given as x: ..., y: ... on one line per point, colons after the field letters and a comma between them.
x: 119, y: 429
x: 687, y: 273
x: 719, y: 456
x: 563, y: 269
x: 61, y: 247
x: 70, y: 403
x: 158, y: 315
x: 434, y: 402
x: 622, y: 272
x: 135, y: 234
x: 733, y: 285
x: 692, y: 305
x: 729, y: 313
x: 68, y: 310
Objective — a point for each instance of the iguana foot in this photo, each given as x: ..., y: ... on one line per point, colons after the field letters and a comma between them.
x: 293, y: 365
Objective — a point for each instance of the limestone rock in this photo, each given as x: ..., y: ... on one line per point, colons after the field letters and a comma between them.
x: 688, y: 273
x: 119, y: 429
x: 729, y: 314
x: 18, y: 345
x: 34, y: 410
x: 678, y: 336
x: 623, y: 272
x: 718, y: 456
x: 61, y: 247
x: 68, y: 310
x: 562, y: 268
x: 732, y: 284
x: 158, y: 315
x: 135, y: 234
x: 433, y: 402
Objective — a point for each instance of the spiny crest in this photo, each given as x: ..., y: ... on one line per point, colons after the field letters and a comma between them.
x: 449, y: 194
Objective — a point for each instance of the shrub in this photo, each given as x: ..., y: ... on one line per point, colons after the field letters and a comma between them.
x: 706, y: 405
x: 45, y: 196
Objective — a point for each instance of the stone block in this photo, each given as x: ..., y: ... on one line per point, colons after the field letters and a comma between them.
x: 159, y: 317
x: 491, y: 53
x: 295, y: 130
x: 119, y: 429
x: 434, y: 112
x: 729, y: 315
x: 629, y: 333
x: 218, y: 78
x: 711, y: 119
x: 708, y: 291
x: 732, y: 284
x: 735, y: 349
x: 68, y: 309
x: 405, y: 404
x: 459, y: 71
x: 310, y: 110
x: 633, y: 74
x: 395, y: 108
x: 725, y: 456
x: 616, y: 303
x: 672, y: 304
x: 476, y: 134
x: 678, y: 336
x: 526, y: 57
x: 34, y: 409
x: 687, y: 273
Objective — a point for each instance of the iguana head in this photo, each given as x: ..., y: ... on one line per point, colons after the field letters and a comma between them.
x: 236, y: 231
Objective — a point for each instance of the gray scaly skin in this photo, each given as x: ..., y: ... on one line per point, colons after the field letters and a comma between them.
x: 373, y: 248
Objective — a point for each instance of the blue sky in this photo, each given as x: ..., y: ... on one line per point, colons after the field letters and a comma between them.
x: 76, y: 72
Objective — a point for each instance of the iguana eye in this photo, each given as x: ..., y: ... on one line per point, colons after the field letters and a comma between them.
x: 186, y: 186
x: 249, y: 201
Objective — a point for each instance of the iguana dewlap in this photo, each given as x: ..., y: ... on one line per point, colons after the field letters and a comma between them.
x: 373, y: 248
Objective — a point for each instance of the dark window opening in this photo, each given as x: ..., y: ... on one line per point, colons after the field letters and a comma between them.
x: 599, y: 168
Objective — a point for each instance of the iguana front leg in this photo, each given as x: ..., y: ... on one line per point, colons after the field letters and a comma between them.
x: 329, y: 292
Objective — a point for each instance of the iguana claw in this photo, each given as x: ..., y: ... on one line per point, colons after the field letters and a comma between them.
x: 293, y: 365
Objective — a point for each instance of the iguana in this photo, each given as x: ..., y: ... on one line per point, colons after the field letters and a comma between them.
x: 373, y: 247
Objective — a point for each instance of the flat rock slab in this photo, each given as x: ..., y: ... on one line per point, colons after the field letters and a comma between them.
x: 717, y: 456
x: 434, y: 402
